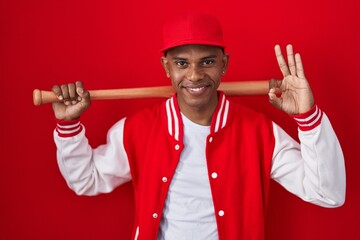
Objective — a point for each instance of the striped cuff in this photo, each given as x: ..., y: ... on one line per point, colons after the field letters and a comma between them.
x: 68, y: 128
x: 309, y: 120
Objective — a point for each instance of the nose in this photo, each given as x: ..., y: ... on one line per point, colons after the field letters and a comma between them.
x: 195, y: 73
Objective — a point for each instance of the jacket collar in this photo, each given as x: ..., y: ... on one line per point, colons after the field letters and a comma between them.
x: 173, y: 118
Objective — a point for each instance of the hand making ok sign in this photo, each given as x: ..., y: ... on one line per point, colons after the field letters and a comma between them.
x: 292, y: 94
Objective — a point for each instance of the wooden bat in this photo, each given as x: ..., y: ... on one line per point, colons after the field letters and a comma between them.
x: 230, y: 89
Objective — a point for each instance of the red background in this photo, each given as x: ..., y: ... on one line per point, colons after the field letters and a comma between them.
x: 114, y: 44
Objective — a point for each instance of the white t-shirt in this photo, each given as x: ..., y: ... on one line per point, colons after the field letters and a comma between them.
x: 189, y: 203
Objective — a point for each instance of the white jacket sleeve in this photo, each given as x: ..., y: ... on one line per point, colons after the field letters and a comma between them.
x: 314, y: 169
x: 90, y: 171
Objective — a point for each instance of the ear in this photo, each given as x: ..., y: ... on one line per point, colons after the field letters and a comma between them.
x: 164, y: 63
x: 225, y: 60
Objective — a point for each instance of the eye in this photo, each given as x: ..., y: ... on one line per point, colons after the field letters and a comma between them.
x: 208, y: 62
x: 181, y: 63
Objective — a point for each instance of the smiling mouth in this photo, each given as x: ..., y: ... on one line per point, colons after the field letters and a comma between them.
x: 197, y: 90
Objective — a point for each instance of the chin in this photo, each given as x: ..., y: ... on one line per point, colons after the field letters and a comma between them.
x: 199, y: 102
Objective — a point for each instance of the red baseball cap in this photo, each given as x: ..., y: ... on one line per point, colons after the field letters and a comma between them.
x: 192, y: 28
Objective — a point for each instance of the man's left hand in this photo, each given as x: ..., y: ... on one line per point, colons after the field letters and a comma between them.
x: 292, y: 94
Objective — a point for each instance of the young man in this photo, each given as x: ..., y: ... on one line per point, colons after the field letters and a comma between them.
x: 200, y: 164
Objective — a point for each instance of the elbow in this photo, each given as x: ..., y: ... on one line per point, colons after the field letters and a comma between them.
x: 81, y: 192
x: 336, y: 204
x: 338, y: 196
x: 340, y: 201
x: 334, y: 201
x: 330, y: 200
x: 82, y: 188
x: 84, y: 192
x: 328, y: 203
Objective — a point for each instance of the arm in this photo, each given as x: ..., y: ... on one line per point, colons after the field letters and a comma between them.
x: 87, y: 171
x: 314, y: 169
x: 90, y: 171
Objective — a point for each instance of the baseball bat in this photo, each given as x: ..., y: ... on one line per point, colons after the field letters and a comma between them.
x: 230, y: 88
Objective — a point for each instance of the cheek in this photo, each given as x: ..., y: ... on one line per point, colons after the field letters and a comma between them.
x: 176, y: 76
x: 216, y: 75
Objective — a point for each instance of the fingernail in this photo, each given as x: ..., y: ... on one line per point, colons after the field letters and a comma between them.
x: 80, y: 90
x: 60, y: 98
x: 74, y: 102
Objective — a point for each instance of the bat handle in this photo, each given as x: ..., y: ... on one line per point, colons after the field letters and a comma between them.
x: 42, y: 97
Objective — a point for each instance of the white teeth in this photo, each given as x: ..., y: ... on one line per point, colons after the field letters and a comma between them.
x: 196, y: 89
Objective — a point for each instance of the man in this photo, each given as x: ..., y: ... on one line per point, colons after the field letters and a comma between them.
x: 200, y: 164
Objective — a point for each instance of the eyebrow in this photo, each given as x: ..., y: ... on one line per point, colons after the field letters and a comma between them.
x: 207, y: 57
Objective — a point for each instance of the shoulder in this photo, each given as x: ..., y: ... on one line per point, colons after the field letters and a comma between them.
x: 250, y: 125
x: 147, y: 113
x: 245, y: 117
x: 145, y: 118
x: 243, y: 112
x: 144, y: 124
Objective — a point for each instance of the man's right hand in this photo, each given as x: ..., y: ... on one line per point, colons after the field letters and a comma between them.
x: 74, y: 100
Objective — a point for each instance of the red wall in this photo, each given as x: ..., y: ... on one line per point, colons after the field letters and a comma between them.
x: 115, y: 44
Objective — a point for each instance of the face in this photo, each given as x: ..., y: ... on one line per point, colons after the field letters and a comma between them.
x: 195, y: 72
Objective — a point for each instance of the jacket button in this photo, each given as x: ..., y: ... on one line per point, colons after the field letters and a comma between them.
x: 214, y: 175
x: 177, y: 147
x: 210, y: 139
x: 164, y: 179
x: 221, y: 213
x: 155, y: 215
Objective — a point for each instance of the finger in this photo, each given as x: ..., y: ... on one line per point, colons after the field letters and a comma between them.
x: 57, y: 91
x: 84, y: 95
x: 72, y: 93
x: 299, y: 66
x: 79, y: 84
x: 274, y: 83
x: 275, y: 100
x: 65, y: 94
x: 277, y: 91
x: 291, y: 60
x: 80, y: 89
x: 281, y: 61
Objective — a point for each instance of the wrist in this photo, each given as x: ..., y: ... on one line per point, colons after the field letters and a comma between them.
x: 68, y: 128
x: 310, y: 119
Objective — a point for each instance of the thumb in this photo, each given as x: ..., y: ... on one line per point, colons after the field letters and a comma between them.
x: 275, y: 98
x: 83, y: 97
x: 83, y: 94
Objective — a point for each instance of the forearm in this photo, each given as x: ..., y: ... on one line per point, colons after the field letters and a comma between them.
x: 90, y: 171
x: 323, y: 163
x: 313, y: 170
